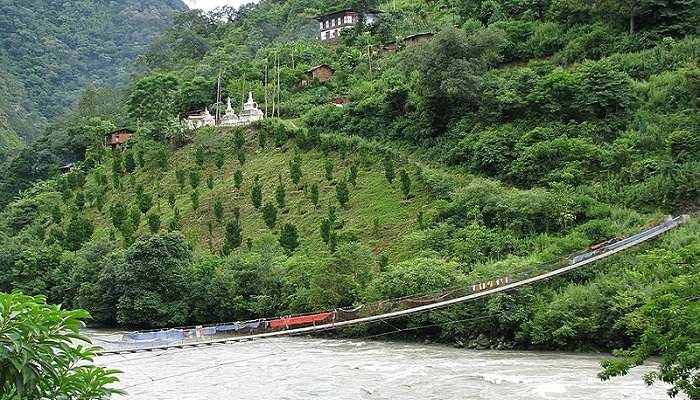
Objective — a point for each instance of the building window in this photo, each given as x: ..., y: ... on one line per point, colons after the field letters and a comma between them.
x: 323, y: 35
x: 333, y: 22
x: 321, y: 27
x: 338, y: 20
x: 332, y: 34
x: 327, y: 23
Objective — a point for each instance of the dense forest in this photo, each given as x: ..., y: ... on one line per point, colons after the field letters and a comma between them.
x: 520, y: 133
x: 51, y: 55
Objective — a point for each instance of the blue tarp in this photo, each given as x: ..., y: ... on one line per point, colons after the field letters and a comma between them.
x: 172, y: 334
x: 238, y: 326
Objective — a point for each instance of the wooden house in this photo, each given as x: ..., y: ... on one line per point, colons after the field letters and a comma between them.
x: 418, y: 38
x: 319, y: 73
x: 118, y: 139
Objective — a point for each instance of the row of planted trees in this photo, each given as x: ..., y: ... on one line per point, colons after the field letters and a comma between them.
x: 127, y: 214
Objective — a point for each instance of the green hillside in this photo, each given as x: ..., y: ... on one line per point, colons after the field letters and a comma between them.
x: 516, y: 135
x: 58, y: 49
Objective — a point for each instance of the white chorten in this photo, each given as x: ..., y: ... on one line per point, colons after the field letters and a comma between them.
x: 250, y: 112
x: 202, y: 119
x: 230, y: 118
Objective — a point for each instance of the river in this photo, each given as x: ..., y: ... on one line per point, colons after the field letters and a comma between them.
x: 306, y: 368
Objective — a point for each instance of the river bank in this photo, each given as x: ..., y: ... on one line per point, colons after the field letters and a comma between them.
x: 303, y: 368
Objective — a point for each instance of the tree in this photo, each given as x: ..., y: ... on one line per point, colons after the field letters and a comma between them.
x: 241, y: 156
x: 280, y: 194
x: 80, y: 200
x: 219, y: 159
x: 405, y: 183
x: 314, y: 194
x: 269, y: 214
x: 256, y: 195
x: 171, y: 199
x: 161, y: 158
x: 180, y: 177
x: 389, y: 172
x: 262, y: 139
x: 152, y: 281
x: 117, y: 163
x: 352, y: 178
x: 326, y: 228
x: 233, y: 238
x: 153, y: 222
x: 289, y: 238
x: 295, y: 169
x: 175, y: 224
x: 50, y: 359
x: 668, y: 323
x: 218, y: 210
x: 154, y: 101
x: 79, y: 231
x: 239, y: 139
x: 199, y: 156
x: 135, y: 217
x: 194, y: 197
x: 129, y: 162
x: 195, y: 179
x: 145, y: 202
x: 342, y: 193
x: 238, y: 179
x: 56, y: 214
x: 210, y: 182
x: 119, y: 213
x: 684, y: 145
x: 329, y: 169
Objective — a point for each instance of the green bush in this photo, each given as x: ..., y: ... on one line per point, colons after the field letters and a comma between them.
x: 49, y: 358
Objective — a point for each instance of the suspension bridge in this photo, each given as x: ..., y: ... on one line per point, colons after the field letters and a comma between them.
x: 382, y: 311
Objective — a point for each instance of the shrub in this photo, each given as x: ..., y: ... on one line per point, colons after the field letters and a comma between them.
x: 234, y: 237
x: 342, y: 193
x: 684, y: 145
x: 415, y: 276
x: 50, y: 359
x: 269, y: 214
x: 256, y: 195
x: 289, y: 238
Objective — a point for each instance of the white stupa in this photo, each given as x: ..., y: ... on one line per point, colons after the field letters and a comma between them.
x: 202, y: 119
x: 230, y: 118
x: 250, y: 112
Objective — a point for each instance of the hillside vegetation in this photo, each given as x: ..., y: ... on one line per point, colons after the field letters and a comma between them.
x: 519, y: 134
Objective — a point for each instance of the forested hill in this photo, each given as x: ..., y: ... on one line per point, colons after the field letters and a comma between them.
x: 517, y: 134
x: 54, y: 49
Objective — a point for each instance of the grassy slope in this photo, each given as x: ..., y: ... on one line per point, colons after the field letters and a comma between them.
x: 373, y: 198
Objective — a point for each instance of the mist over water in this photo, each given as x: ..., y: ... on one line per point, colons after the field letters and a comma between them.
x: 304, y: 368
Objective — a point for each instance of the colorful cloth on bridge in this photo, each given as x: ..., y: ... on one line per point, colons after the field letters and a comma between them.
x: 238, y: 326
x: 301, y: 320
x: 172, y: 334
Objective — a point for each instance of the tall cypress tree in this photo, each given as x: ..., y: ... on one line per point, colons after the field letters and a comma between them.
x: 256, y: 195
x: 405, y: 183
x: 289, y: 238
x: 269, y: 214
x: 342, y: 193
x: 234, y: 236
x: 280, y: 194
x: 295, y: 169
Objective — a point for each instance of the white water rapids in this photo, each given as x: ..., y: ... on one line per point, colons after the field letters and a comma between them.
x: 305, y: 368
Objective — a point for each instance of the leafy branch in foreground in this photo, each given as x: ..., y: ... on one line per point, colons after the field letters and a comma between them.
x: 44, y: 356
x: 671, y: 328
